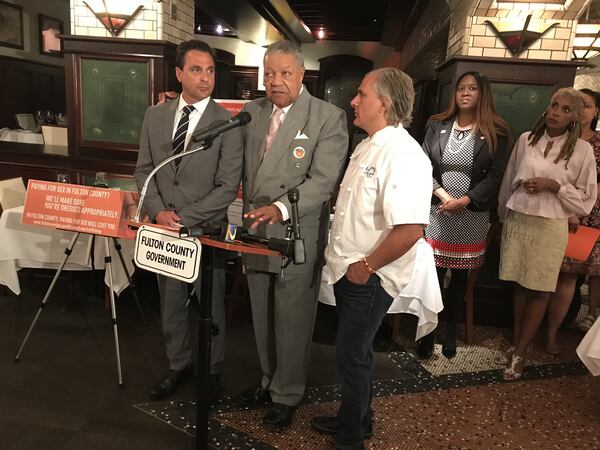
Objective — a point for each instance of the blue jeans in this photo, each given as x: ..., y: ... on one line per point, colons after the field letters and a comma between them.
x: 360, y: 311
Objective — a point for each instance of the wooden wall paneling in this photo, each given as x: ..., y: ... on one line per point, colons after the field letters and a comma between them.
x: 243, y: 82
x: 159, y: 57
x: 28, y: 86
x: 32, y: 161
x: 311, y: 81
x: 43, y: 94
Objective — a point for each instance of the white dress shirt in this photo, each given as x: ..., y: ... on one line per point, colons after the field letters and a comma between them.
x: 577, y: 179
x: 421, y: 297
x: 387, y: 183
x: 194, y: 117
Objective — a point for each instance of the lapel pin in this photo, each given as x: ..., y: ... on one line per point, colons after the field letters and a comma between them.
x: 299, y: 152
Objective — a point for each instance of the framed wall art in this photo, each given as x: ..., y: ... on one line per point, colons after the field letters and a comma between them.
x: 11, y: 25
x: 49, y: 28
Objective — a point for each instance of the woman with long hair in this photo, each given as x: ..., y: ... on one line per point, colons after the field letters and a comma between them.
x: 551, y: 176
x: 571, y: 268
x: 468, y: 148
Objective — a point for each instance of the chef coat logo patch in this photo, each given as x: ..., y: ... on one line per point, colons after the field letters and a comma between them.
x: 369, y: 171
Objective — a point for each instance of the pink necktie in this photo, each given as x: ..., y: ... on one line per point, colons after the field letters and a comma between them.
x: 274, y: 123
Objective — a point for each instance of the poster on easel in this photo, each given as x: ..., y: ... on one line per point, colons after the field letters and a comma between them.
x: 84, y: 209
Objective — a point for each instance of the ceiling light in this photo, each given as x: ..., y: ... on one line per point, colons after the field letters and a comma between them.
x: 115, y: 15
x: 321, y: 33
x: 586, y: 44
x: 517, y: 40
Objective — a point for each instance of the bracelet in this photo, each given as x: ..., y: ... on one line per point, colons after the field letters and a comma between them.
x: 367, y: 266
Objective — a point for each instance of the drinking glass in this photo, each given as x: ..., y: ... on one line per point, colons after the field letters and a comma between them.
x: 101, y: 180
x: 63, y: 178
x: 39, y: 118
x: 49, y: 116
x: 61, y: 118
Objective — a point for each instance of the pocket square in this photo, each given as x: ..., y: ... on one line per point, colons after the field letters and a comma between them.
x: 300, y: 135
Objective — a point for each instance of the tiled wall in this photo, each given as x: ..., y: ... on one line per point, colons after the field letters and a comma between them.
x: 588, y: 79
x: 469, y: 35
x: 555, y: 45
x: 181, y: 28
x: 433, y: 19
x: 153, y: 22
x: 459, y: 26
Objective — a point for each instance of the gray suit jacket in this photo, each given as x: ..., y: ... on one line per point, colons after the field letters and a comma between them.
x: 206, y: 182
x: 309, y: 151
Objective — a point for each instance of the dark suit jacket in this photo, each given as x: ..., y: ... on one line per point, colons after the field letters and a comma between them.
x: 309, y: 151
x: 206, y: 182
x: 487, y: 171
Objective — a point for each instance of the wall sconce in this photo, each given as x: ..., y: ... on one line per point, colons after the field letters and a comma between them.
x: 586, y: 44
x: 115, y: 15
x: 517, y: 41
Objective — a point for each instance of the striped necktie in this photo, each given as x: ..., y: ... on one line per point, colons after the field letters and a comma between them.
x: 182, y: 128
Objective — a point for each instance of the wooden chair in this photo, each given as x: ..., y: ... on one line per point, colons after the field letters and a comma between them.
x: 12, y: 193
x: 493, y: 235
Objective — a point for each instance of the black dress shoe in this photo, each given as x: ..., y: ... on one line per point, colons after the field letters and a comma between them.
x: 279, y: 415
x: 329, y: 425
x: 449, y: 346
x: 425, y: 346
x: 255, y: 396
x: 168, y: 384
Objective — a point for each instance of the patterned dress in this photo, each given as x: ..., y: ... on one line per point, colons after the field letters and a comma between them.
x: 592, y: 265
x: 458, y: 240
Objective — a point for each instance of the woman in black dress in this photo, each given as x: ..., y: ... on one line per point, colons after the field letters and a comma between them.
x: 468, y: 147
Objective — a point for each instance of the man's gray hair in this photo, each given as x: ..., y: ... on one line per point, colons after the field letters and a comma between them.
x: 287, y: 47
x: 395, y: 89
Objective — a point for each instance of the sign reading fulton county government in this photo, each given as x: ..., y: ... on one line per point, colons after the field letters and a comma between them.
x: 164, y: 252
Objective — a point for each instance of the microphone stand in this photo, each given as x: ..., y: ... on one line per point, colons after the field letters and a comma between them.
x: 299, y: 252
x: 205, y: 317
x: 205, y: 145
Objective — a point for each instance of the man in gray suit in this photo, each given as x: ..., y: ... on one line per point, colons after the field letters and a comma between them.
x: 294, y: 140
x: 189, y: 191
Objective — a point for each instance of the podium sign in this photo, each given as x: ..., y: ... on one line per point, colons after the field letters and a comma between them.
x: 164, y: 252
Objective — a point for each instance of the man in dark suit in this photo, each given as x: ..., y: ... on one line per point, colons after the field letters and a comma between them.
x: 294, y: 140
x: 189, y: 191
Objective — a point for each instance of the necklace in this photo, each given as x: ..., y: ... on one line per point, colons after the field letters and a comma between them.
x: 464, y: 136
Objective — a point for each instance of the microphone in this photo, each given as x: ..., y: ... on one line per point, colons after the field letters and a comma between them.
x: 210, y: 132
x: 299, y: 253
x: 200, y: 230
x: 229, y: 233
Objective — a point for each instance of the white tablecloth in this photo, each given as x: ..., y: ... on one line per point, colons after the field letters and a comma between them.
x: 589, y: 349
x: 40, y: 247
x: 421, y: 297
x: 24, y: 136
